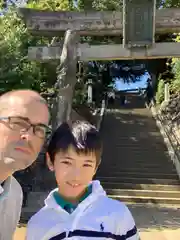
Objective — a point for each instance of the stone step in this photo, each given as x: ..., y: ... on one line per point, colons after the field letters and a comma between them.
x: 138, y: 170
x: 136, y: 166
x: 139, y: 180
x: 130, y: 139
x: 131, y: 164
x: 117, y: 144
x: 137, y: 150
x: 137, y: 153
x: 155, y: 200
x: 143, y: 193
x: 138, y: 174
x: 126, y: 143
x: 153, y: 187
x: 163, y: 166
x: 117, y: 155
x: 143, y: 167
x: 132, y: 156
x: 137, y: 156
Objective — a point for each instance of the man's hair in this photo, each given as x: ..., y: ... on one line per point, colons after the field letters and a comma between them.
x: 81, y: 135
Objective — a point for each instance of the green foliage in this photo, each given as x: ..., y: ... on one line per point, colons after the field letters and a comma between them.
x: 172, y: 74
x: 160, y: 91
x: 102, y: 5
x: 113, y: 5
x: 176, y: 81
x: 175, y: 65
x: 51, y: 5
x: 15, y: 69
x: 171, y: 3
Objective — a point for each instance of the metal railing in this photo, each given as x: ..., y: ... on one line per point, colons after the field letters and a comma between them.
x: 171, y: 130
x: 100, y: 112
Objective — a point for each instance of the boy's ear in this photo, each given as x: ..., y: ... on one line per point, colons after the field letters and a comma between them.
x: 95, y: 170
x: 49, y: 163
x: 97, y: 166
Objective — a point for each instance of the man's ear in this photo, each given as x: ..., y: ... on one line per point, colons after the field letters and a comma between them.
x: 49, y: 163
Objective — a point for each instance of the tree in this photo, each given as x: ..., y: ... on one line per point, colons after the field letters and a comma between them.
x: 15, y: 69
x: 113, y: 5
x: 170, y: 3
x: 100, y: 5
x: 51, y: 5
x: 175, y: 65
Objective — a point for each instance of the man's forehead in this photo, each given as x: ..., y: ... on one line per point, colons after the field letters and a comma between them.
x: 26, y: 100
x: 22, y: 99
x: 35, y: 109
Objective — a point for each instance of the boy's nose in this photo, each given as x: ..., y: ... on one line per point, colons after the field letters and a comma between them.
x: 76, y: 173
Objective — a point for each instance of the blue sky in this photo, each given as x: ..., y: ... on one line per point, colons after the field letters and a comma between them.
x: 119, y: 85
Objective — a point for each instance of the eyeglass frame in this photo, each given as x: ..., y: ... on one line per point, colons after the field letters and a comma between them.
x: 30, y: 125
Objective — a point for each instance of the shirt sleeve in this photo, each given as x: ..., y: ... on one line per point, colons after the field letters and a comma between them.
x: 1, y: 190
x: 34, y: 230
x: 17, y: 204
x: 30, y: 232
x: 126, y: 226
x: 11, y: 201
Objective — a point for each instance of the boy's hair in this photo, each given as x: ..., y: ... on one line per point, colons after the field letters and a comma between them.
x: 81, y: 135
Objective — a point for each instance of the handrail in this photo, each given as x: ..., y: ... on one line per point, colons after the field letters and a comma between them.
x: 170, y: 132
x: 101, y: 115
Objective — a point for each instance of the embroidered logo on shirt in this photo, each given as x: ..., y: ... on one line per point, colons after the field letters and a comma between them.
x: 102, y: 227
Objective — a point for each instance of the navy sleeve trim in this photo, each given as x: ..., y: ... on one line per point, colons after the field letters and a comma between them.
x: 59, y: 236
x: 131, y: 232
x: 87, y: 233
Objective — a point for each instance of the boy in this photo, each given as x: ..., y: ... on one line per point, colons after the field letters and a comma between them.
x: 79, y: 208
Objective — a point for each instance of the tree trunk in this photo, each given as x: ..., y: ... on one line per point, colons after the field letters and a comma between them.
x: 66, y: 78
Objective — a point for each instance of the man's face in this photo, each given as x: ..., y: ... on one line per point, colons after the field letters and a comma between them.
x: 19, y: 149
x: 73, y: 172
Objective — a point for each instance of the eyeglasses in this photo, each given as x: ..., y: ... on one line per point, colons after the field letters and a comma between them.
x: 24, y: 124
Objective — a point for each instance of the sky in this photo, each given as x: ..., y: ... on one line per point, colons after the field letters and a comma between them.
x: 19, y: 3
x: 120, y: 85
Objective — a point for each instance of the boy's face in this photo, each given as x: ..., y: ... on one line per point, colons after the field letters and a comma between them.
x: 73, y: 172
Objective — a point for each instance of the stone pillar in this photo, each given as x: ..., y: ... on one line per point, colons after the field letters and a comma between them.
x: 166, y: 92
x: 90, y: 97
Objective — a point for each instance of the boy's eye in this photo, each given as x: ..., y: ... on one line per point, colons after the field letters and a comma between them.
x: 66, y: 162
x: 87, y: 165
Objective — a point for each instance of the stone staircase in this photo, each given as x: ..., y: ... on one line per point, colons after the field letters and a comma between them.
x: 136, y: 167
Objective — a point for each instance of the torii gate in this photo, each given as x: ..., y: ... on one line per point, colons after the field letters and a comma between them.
x: 138, y: 24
